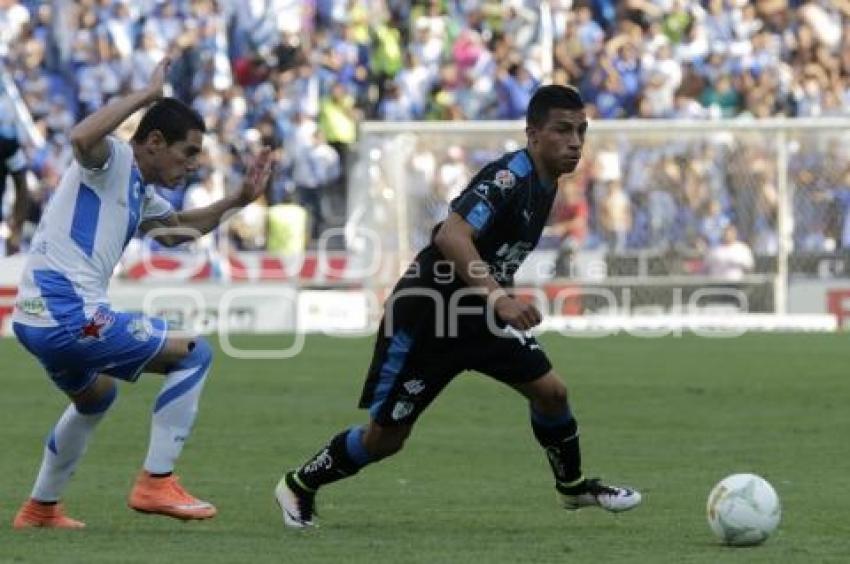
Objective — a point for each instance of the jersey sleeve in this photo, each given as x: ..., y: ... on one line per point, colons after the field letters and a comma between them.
x: 120, y: 154
x: 155, y: 206
x: 484, y: 200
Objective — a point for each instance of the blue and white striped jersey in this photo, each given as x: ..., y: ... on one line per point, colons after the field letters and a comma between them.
x: 81, y: 237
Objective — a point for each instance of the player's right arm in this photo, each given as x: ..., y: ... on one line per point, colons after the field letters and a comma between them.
x: 88, y: 138
x: 455, y: 241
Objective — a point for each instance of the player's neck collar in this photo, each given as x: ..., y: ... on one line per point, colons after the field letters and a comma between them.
x: 548, y: 186
x: 137, y: 170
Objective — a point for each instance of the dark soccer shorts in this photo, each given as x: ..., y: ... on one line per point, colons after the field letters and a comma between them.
x: 410, y: 367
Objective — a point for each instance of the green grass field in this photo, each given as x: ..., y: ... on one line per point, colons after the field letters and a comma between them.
x: 669, y: 416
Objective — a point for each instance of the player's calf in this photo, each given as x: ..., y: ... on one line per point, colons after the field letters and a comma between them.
x: 64, y: 448
x: 156, y: 490
x: 176, y: 407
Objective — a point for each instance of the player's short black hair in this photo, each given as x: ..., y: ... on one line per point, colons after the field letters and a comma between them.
x: 172, y: 118
x: 550, y: 97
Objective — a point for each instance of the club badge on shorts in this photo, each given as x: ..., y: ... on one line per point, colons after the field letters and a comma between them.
x: 96, y: 327
x: 140, y: 329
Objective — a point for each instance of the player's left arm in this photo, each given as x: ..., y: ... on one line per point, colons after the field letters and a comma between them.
x: 181, y: 227
x: 89, y: 137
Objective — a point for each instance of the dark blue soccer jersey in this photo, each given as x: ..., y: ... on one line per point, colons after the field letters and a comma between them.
x: 508, y: 206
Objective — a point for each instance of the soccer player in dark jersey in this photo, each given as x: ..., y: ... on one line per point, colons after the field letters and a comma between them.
x: 450, y: 312
x: 14, y: 164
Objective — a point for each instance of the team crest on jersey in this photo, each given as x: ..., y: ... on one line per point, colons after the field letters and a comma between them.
x: 483, y: 190
x: 504, y: 179
x: 140, y: 329
x: 96, y: 327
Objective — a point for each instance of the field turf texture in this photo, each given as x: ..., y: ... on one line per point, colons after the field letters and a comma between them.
x: 670, y: 416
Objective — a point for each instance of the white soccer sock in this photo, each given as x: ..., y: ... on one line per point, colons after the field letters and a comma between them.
x: 63, y: 451
x: 175, y: 409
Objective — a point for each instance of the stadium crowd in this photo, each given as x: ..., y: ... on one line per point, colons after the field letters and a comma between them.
x: 300, y: 75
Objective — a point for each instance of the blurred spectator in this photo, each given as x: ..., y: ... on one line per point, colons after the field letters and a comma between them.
x: 208, y: 188
x: 13, y: 18
x: 453, y: 174
x: 275, y: 71
x: 287, y: 229
x: 568, y: 222
x: 713, y: 223
x: 248, y: 227
x: 731, y: 259
x: 338, y: 122
x: 316, y: 169
x: 13, y: 164
x: 615, y: 216
x: 396, y: 106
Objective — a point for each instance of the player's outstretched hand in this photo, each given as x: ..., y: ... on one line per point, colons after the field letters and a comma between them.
x: 517, y: 314
x: 257, y: 178
x: 157, y: 79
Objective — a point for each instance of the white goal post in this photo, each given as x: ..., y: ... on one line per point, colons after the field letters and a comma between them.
x: 755, y: 169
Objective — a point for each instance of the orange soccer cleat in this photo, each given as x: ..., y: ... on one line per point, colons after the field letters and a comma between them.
x: 34, y: 514
x: 165, y: 496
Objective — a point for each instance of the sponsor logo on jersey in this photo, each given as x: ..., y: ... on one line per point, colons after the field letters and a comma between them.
x: 504, y: 179
x: 402, y: 409
x: 32, y: 306
x: 140, y: 329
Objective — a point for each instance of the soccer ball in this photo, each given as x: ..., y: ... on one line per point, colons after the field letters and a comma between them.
x: 743, y: 509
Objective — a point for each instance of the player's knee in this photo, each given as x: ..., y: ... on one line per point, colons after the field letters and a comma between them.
x: 552, y: 399
x: 558, y: 395
x: 382, y: 442
x: 388, y: 446
x: 200, y: 353
x: 98, y: 405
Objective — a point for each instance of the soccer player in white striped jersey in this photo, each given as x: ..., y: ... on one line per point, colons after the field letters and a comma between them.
x: 62, y: 313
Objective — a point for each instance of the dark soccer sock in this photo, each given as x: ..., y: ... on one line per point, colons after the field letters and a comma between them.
x: 344, y: 456
x: 559, y: 438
